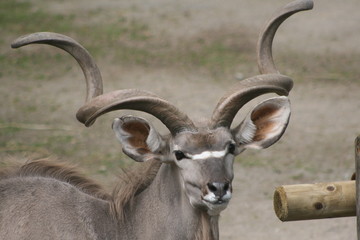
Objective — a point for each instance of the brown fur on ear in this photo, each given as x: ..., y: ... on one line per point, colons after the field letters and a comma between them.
x: 264, y: 112
x: 265, y: 124
x: 139, y: 133
x: 261, y: 119
x: 263, y: 128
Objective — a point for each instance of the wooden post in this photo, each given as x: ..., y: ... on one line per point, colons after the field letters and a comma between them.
x: 315, y: 201
x: 357, y: 165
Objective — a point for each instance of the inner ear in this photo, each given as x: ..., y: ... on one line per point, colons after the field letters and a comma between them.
x: 138, y: 133
x: 262, y: 119
x: 265, y: 124
x: 138, y: 138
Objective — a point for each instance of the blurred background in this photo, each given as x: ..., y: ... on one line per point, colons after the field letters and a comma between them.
x: 190, y: 53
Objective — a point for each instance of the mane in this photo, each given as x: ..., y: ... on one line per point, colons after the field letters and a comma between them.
x: 132, y: 182
x: 208, y: 227
x: 60, y: 171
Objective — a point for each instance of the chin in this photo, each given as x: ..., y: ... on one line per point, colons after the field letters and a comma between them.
x: 214, y: 209
x: 211, y: 208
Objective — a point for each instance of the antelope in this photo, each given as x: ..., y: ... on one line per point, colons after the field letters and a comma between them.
x: 186, y: 178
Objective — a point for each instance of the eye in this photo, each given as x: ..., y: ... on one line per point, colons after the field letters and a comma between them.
x: 231, y: 148
x: 179, y: 155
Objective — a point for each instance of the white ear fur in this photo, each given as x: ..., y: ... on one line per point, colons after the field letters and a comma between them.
x: 154, y: 140
x: 120, y: 134
x: 265, y: 124
x: 140, y: 141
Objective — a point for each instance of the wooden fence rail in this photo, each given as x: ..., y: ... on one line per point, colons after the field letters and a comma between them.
x: 320, y: 200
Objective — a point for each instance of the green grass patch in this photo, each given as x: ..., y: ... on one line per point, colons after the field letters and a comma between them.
x: 121, y: 40
x: 22, y: 17
x: 250, y: 161
x: 131, y: 42
x: 330, y: 67
x: 112, y: 39
x: 217, y: 57
x: 110, y: 164
x: 58, y: 145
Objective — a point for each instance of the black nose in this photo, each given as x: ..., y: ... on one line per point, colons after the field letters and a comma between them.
x: 218, y: 188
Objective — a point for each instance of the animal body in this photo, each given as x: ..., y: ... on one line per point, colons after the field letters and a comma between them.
x: 186, y: 178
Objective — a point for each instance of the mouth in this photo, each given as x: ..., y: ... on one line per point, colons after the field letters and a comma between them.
x: 211, y: 198
x: 215, y: 207
x: 215, y: 204
x: 215, y: 201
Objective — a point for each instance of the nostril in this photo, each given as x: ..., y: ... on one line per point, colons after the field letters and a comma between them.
x: 219, y: 188
x: 212, y: 187
x: 226, y: 186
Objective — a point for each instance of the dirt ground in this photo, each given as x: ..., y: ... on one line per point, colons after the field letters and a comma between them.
x: 318, y: 144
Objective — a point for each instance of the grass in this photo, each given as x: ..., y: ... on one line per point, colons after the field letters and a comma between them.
x: 250, y: 161
x: 219, y: 52
x: 19, y: 18
x: 218, y: 57
x: 16, y: 16
x: 59, y: 143
x: 131, y: 38
x: 331, y: 67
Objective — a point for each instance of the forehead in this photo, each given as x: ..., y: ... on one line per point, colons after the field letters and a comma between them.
x: 196, y: 142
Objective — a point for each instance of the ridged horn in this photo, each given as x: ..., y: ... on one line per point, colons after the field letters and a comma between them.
x: 98, y: 104
x: 91, y: 72
x: 269, y: 82
x: 134, y: 99
x: 245, y: 91
x: 266, y: 37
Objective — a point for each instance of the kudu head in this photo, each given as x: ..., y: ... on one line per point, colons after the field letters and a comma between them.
x: 203, y: 154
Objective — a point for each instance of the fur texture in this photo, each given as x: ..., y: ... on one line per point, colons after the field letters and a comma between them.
x: 60, y: 171
x: 131, y: 182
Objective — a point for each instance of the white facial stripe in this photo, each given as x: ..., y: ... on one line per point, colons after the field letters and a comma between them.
x: 208, y: 154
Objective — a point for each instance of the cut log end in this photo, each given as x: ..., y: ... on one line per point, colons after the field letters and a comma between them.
x: 280, y: 204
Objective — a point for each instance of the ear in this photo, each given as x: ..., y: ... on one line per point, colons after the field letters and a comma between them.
x: 139, y: 139
x: 264, y: 125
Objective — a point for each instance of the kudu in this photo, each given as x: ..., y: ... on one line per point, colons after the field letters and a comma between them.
x: 188, y: 175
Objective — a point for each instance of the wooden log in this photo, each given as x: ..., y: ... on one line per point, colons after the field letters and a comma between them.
x: 357, y: 166
x: 315, y: 201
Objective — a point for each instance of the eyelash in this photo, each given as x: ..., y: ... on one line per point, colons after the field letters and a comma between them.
x: 179, y: 155
x: 231, y: 148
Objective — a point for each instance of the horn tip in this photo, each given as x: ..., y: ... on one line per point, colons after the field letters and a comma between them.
x: 17, y: 43
x: 309, y: 4
x: 22, y: 40
x: 89, y: 124
x: 302, y: 5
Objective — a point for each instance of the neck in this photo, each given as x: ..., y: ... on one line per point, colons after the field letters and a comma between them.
x: 163, y: 211
x: 208, y: 228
